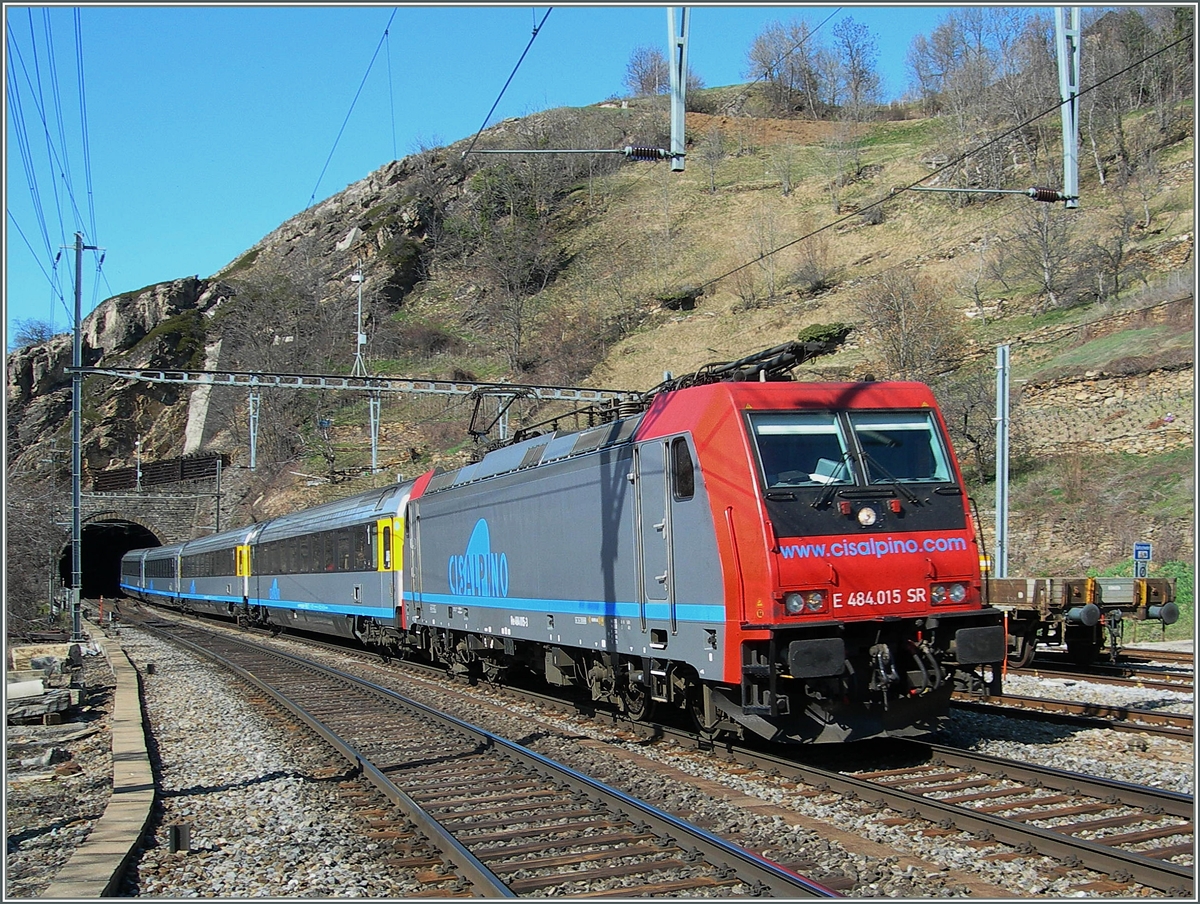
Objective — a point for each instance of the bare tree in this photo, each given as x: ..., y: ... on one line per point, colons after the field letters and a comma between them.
x: 968, y: 402
x: 856, y: 52
x: 649, y: 73
x: 814, y: 270
x: 35, y: 509
x: 784, y: 56
x: 971, y: 285
x: 520, y: 258
x: 916, y: 332
x: 712, y: 152
x: 783, y: 162
x: 30, y: 332
x: 840, y: 160
x: 1042, y: 251
x: 1108, y: 249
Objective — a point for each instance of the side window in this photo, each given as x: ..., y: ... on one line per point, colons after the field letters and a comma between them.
x: 683, y: 473
x: 387, y: 547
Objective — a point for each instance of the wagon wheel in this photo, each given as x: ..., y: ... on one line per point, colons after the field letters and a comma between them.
x: 1023, y: 654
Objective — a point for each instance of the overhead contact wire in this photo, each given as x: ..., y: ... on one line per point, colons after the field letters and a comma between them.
x: 952, y: 163
x: 536, y: 30
x: 370, y: 65
x: 87, y: 154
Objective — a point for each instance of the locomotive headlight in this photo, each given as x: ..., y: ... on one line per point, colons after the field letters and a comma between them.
x: 808, y: 601
x: 948, y: 593
x: 867, y: 516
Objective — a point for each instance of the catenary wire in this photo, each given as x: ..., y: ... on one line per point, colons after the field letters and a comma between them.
x: 1005, y: 215
x: 536, y: 30
x: 948, y: 165
x: 391, y: 95
x: 15, y: 51
x: 370, y: 65
x: 21, y: 132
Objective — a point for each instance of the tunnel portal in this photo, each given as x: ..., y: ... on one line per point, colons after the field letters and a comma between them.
x: 101, y: 545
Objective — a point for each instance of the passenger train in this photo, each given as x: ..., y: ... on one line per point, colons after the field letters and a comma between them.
x: 791, y: 560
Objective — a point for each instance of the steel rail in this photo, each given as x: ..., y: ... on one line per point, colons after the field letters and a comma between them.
x: 1170, y: 877
x: 1117, y: 675
x: 487, y: 883
x: 765, y: 876
x: 1117, y: 718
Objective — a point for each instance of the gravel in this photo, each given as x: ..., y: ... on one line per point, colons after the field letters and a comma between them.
x: 266, y: 818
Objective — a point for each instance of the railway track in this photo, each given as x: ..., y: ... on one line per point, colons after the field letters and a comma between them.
x: 1031, y: 810
x: 1118, y: 676
x: 507, y: 821
x: 1139, y: 654
x: 1153, y: 664
x: 1128, y: 832
x: 1085, y: 715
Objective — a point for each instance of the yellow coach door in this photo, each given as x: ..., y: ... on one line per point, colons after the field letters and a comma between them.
x: 241, y: 565
x: 389, y: 533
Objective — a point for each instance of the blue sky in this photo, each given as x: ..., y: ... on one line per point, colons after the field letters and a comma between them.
x: 209, y: 126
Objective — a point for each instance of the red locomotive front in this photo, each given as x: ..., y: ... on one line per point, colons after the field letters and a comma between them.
x: 851, y: 566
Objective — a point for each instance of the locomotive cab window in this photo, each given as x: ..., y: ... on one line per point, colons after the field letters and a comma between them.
x: 801, y: 449
x: 901, y: 445
x: 683, y: 472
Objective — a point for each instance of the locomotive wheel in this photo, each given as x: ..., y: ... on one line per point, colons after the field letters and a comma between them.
x: 704, y: 720
x: 639, y: 705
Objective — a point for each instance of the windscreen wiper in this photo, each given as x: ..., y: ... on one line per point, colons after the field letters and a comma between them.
x: 831, y: 485
x: 896, y: 484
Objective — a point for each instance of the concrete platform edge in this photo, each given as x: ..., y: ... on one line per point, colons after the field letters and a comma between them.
x: 98, y: 866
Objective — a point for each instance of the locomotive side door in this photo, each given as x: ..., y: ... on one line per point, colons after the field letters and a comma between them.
x: 653, y: 518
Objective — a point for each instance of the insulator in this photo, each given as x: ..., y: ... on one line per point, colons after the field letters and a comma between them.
x: 645, y: 153
x: 1046, y: 194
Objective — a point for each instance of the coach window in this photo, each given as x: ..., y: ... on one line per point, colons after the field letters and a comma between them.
x: 362, y: 547
x: 683, y: 473
x: 387, y: 547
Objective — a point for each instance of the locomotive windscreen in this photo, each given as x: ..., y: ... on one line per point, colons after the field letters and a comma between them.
x: 813, y: 462
x: 900, y: 445
x: 801, y: 448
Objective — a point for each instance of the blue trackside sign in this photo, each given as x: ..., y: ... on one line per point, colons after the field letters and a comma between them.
x: 1143, y: 552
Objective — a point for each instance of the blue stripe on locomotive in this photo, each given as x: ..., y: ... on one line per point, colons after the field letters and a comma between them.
x: 596, y: 608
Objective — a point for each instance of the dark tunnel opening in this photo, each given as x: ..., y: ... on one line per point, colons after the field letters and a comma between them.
x: 101, y: 545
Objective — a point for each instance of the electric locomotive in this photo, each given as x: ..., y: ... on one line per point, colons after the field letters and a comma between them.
x: 795, y: 560
x: 792, y: 560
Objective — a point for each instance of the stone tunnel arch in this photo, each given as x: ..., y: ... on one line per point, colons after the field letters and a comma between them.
x: 103, y: 540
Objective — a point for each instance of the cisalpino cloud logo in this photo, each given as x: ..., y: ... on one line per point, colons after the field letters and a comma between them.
x: 479, y: 572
